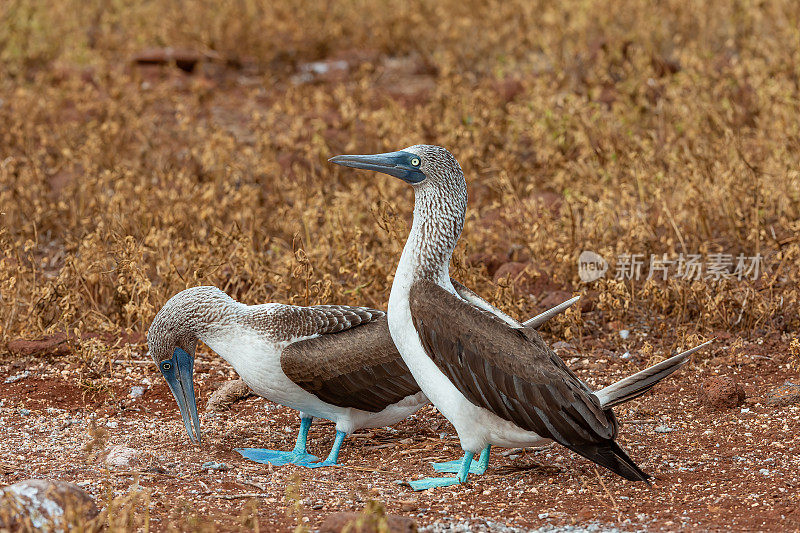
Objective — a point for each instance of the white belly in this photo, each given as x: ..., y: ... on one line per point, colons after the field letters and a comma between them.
x: 258, y: 364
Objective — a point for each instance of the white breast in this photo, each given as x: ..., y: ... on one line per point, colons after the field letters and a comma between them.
x: 476, y: 426
x: 258, y: 363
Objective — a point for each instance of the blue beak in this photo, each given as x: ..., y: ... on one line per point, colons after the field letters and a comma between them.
x: 178, y: 372
x: 398, y: 164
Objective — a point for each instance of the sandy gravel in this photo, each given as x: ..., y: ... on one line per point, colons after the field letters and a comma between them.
x: 116, y: 428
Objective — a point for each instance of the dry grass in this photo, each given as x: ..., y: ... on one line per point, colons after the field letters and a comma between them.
x: 646, y: 127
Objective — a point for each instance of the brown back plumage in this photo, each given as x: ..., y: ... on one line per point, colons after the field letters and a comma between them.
x: 513, y: 373
x: 360, y: 369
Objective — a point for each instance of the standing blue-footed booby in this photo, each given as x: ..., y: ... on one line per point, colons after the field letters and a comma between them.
x: 498, y: 383
x: 329, y: 361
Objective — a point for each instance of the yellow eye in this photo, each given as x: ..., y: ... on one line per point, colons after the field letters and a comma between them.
x: 166, y: 366
x: 415, y: 162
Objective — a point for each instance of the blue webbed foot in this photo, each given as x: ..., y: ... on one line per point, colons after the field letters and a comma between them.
x: 432, y: 482
x: 455, y: 467
x: 463, y: 473
x: 475, y: 467
x: 276, y: 457
x: 321, y: 464
x: 334, y: 455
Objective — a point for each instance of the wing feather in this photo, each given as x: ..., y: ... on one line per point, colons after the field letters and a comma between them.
x: 357, y: 367
x: 514, y: 374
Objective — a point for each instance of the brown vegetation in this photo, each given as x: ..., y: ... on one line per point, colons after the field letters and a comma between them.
x: 150, y: 146
x: 658, y: 128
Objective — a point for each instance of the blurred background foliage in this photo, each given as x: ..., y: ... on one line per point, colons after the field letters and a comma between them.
x: 618, y: 127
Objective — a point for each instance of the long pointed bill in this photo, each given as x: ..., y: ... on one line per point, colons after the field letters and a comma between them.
x: 178, y: 372
x: 540, y: 319
x: 403, y: 165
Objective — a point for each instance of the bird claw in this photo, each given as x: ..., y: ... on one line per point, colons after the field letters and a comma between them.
x: 276, y: 457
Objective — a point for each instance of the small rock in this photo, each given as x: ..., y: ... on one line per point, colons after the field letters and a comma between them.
x: 211, y: 465
x: 663, y: 429
x: 786, y: 394
x: 513, y: 271
x: 185, y: 60
x: 554, y: 298
x: 367, y: 523
x: 137, y: 391
x: 408, y: 505
x: 121, y: 456
x: 24, y: 412
x: 45, y: 504
x: 329, y: 70
x: 17, y: 377
x: 52, y: 345
x: 721, y: 392
x: 228, y: 394
x: 560, y: 346
x: 624, y: 333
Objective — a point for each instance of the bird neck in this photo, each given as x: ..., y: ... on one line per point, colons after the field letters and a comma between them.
x: 438, y: 221
x: 249, y: 338
x: 199, y: 313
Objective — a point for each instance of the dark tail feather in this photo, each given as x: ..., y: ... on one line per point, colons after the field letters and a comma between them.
x: 641, y: 382
x: 611, y: 456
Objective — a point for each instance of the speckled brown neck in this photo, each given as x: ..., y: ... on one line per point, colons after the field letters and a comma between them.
x: 439, y: 208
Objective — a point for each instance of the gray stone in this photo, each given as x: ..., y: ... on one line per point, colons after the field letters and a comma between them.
x: 121, y: 456
x: 45, y: 504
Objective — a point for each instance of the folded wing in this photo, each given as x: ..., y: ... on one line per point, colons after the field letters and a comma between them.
x: 360, y: 368
x: 512, y: 373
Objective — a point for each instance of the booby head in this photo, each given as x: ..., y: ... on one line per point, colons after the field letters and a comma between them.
x: 440, y: 193
x: 172, y: 343
x: 419, y: 165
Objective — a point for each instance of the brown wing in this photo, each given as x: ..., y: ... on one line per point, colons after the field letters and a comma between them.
x: 336, y: 318
x: 288, y: 322
x: 512, y: 373
x: 359, y: 367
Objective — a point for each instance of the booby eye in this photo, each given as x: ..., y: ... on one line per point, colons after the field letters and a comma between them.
x: 415, y: 162
x: 166, y: 366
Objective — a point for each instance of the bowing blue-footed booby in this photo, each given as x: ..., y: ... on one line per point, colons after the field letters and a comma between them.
x: 496, y: 382
x: 329, y: 361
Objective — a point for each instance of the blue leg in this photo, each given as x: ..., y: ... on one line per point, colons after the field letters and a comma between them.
x: 476, y: 467
x: 431, y: 482
x: 276, y: 457
x: 334, y: 455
